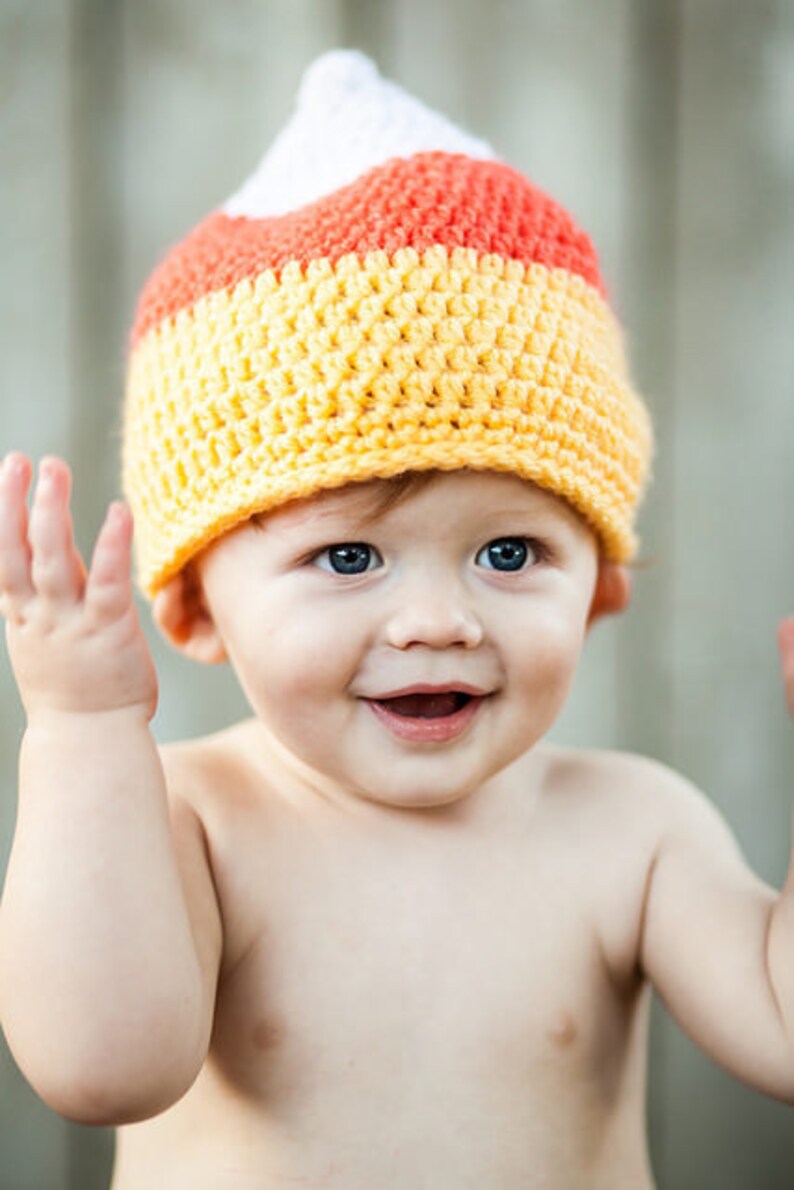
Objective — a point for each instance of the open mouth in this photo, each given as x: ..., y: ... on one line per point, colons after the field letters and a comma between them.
x: 436, y: 705
x: 427, y: 716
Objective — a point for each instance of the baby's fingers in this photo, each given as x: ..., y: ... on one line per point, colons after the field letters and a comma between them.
x: 16, y: 585
x: 57, y: 569
x: 109, y: 587
x: 785, y: 639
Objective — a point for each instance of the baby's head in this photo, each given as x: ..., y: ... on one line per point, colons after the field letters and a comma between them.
x: 382, y: 297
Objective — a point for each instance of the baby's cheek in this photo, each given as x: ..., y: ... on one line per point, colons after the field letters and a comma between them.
x: 551, y: 661
x: 306, y: 664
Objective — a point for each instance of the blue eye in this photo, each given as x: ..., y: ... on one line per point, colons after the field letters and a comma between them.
x: 505, y: 553
x: 349, y: 557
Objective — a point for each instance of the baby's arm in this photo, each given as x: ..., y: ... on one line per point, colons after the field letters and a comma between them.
x: 109, y: 927
x: 718, y: 944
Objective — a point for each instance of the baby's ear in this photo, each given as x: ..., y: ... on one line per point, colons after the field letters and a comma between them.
x: 181, y: 614
x: 612, y: 592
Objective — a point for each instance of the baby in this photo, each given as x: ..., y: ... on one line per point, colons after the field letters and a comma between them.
x: 383, y: 455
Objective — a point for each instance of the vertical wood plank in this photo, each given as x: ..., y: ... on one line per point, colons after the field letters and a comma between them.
x: 732, y: 563
x: 97, y: 315
x: 645, y: 692
x: 35, y: 296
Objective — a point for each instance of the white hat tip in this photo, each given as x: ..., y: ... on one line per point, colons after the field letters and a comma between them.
x: 348, y: 120
x: 336, y: 72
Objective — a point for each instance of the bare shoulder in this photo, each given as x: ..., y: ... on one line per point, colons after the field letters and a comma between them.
x: 200, y: 772
x: 224, y: 785
x: 622, y: 809
x: 642, y: 793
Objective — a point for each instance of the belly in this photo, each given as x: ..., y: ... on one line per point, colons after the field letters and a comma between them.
x: 504, y: 1147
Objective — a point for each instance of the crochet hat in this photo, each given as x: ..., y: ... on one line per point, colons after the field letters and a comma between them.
x: 383, y: 295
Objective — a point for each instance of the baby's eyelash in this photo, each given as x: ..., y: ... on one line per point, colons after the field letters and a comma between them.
x: 541, y: 549
x: 347, y: 558
x: 512, y: 553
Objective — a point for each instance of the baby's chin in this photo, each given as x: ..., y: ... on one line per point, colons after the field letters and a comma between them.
x: 394, y: 786
x: 416, y: 797
x: 411, y: 787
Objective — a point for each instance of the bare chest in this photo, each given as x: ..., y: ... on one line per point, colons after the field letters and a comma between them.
x: 456, y: 967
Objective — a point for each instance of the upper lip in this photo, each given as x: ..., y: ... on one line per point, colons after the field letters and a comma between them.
x: 433, y: 688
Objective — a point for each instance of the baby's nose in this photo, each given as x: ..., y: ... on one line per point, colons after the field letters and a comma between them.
x: 435, y: 614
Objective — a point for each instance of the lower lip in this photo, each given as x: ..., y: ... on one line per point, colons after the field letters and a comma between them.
x: 433, y: 731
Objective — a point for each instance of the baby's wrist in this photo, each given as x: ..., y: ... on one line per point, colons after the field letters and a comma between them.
x: 81, y: 719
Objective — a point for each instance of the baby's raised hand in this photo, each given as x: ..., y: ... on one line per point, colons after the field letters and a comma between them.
x: 74, y: 638
x: 785, y: 640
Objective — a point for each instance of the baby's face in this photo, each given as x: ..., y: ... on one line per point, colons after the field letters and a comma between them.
x: 406, y: 656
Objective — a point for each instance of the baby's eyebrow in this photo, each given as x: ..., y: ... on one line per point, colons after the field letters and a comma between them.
x: 320, y: 518
x: 352, y: 513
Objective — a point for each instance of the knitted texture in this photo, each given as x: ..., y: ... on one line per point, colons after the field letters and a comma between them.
x: 439, y: 311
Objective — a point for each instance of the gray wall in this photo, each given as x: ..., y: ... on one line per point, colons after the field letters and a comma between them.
x: 667, y: 126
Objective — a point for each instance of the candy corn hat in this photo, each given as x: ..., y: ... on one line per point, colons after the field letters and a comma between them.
x: 383, y: 295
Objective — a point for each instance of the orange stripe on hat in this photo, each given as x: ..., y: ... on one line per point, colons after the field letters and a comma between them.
x: 430, y: 199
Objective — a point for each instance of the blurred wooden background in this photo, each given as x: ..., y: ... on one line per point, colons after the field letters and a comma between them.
x: 667, y: 127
